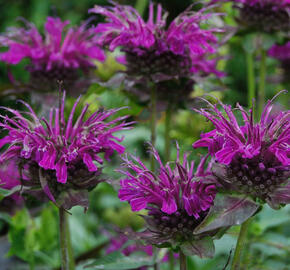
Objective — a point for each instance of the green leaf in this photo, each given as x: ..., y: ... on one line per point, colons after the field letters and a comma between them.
x: 228, y: 210
x: 7, y: 192
x: 116, y: 260
x: 204, y: 248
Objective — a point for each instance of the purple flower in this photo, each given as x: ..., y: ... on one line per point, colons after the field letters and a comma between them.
x: 120, y: 242
x: 177, y: 198
x: 58, y: 154
x: 9, y: 179
x: 253, y: 158
x: 155, y: 52
x: 282, y: 53
x: 264, y: 15
x: 58, y: 55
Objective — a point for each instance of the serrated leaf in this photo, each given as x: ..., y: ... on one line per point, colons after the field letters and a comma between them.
x: 228, y: 210
x: 116, y: 260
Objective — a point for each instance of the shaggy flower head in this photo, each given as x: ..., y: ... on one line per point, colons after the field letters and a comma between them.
x: 155, y: 52
x: 59, y: 155
x: 254, y: 158
x: 264, y: 15
x: 177, y: 199
x: 58, y: 55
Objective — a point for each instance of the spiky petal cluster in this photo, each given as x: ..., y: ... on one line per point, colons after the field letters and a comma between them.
x: 177, y: 198
x: 265, y: 15
x: 74, y: 48
x: 64, y: 151
x: 58, y: 55
x: 154, y: 51
x: 253, y: 158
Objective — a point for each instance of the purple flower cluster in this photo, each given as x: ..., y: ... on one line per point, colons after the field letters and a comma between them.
x: 280, y: 52
x: 171, y: 190
x: 177, y: 199
x: 9, y: 179
x: 71, y: 49
x: 57, y: 151
x: 253, y: 158
x: 155, y: 52
x: 60, y: 55
x: 264, y: 15
x: 184, y: 36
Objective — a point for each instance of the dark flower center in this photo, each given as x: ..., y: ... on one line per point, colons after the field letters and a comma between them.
x: 257, y: 176
x: 178, y: 225
x: 78, y: 177
x: 47, y: 80
x: 266, y: 17
x: 149, y: 63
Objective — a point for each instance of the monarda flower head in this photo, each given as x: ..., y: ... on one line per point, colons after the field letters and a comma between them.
x: 251, y: 159
x: 264, y: 15
x: 61, y: 158
x: 178, y: 201
x: 155, y: 52
x: 282, y: 53
x: 58, y: 55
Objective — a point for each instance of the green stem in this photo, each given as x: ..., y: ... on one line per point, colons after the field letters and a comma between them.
x: 182, y: 261
x: 262, y: 82
x: 240, y: 245
x: 171, y: 260
x: 153, y: 122
x: 67, y: 261
x: 251, y: 78
x: 168, y: 115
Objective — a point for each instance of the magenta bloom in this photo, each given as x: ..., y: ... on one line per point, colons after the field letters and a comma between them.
x: 157, y: 52
x: 9, y: 179
x: 280, y: 52
x: 120, y: 242
x: 60, y: 154
x: 177, y: 199
x: 264, y: 15
x: 58, y: 55
x: 253, y: 158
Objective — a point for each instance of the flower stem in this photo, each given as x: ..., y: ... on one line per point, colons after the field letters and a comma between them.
x: 251, y: 78
x: 168, y: 115
x: 262, y: 82
x: 240, y: 245
x: 67, y: 261
x: 182, y: 261
x: 153, y: 122
x: 171, y: 260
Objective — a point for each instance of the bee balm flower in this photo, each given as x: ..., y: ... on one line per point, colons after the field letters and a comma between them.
x: 253, y: 158
x: 59, y: 156
x: 58, y: 55
x: 178, y: 201
x: 157, y: 53
x: 264, y: 15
